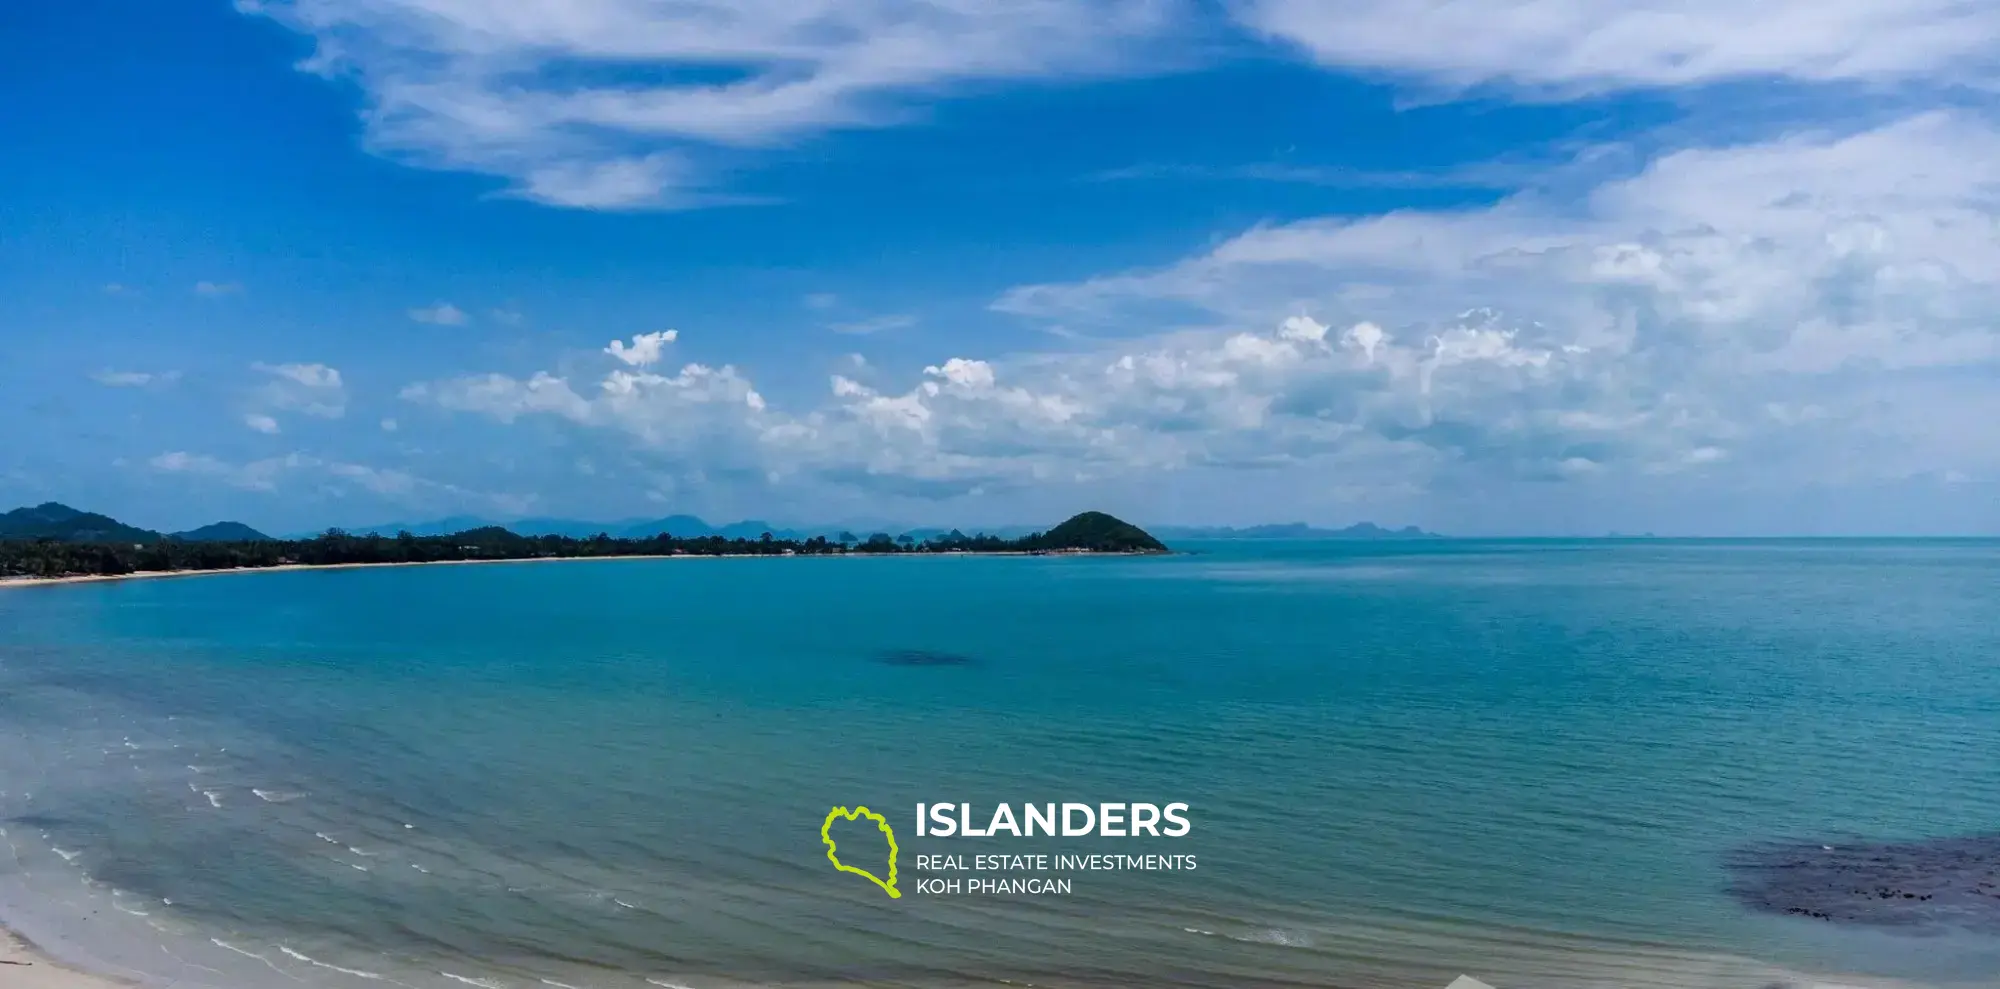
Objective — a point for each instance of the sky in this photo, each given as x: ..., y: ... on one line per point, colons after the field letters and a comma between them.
x: 1506, y: 267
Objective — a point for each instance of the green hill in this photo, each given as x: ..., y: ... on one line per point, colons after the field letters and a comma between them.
x: 222, y: 532
x: 1097, y: 532
x: 61, y: 522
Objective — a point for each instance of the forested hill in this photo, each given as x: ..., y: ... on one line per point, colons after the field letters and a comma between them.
x: 52, y: 520
x: 53, y: 556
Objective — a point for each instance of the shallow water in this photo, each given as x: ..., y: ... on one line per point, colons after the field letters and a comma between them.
x: 1526, y: 761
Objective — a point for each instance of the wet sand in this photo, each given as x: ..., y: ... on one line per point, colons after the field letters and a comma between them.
x: 23, y: 967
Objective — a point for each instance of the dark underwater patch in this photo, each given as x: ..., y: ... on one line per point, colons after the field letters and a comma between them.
x: 1915, y: 887
x: 923, y: 657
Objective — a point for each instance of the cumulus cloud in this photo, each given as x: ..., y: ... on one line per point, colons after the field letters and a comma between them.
x: 644, y: 350
x: 440, y: 314
x: 310, y: 389
x: 533, y: 92
x: 1816, y: 308
x: 1660, y: 321
x: 1574, y: 47
x: 261, y: 423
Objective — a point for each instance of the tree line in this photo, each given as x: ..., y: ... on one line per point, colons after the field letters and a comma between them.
x: 51, y: 558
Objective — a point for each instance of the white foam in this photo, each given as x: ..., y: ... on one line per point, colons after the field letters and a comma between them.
x: 358, y: 851
x: 676, y: 985
x: 214, y: 797
x: 323, y: 836
x: 357, y: 973
x: 624, y: 904
x: 559, y: 985
x: 1288, y: 939
x: 481, y: 983
x: 277, y: 796
x: 220, y: 943
x: 66, y: 856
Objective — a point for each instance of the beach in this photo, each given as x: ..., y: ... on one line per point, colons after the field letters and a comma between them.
x: 23, y: 967
x: 286, y: 567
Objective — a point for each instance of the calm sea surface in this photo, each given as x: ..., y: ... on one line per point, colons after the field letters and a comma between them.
x: 1522, y: 761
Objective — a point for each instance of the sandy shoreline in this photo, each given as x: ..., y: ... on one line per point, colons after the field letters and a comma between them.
x: 149, y: 574
x: 22, y: 966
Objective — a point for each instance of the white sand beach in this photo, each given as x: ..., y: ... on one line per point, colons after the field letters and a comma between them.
x: 23, y: 967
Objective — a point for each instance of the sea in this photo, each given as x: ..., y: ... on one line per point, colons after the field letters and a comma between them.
x: 1527, y: 762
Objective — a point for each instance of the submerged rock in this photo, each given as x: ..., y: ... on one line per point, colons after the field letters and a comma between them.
x: 1917, y: 886
x: 922, y: 657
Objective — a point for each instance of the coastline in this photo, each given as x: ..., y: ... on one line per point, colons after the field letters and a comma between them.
x: 6, y: 582
x: 24, y: 966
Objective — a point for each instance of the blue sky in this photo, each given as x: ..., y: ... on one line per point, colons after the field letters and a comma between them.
x: 1541, y: 267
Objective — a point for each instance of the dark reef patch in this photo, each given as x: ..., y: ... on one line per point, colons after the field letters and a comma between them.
x: 1915, y: 887
x: 923, y: 657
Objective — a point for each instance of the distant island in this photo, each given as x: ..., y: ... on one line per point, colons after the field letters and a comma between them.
x: 54, y: 541
x: 1297, y: 530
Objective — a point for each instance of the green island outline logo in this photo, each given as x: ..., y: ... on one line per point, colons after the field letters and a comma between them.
x: 833, y: 851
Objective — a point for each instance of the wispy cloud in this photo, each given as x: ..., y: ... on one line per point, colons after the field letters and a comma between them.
x: 275, y: 474
x: 1487, y: 175
x: 261, y: 423
x: 1571, y: 48
x: 134, y: 379
x: 458, y: 86
x: 440, y: 314
x: 310, y: 389
x: 875, y: 324
x: 215, y: 290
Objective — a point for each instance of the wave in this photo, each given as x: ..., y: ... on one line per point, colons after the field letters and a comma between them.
x: 357, y: 973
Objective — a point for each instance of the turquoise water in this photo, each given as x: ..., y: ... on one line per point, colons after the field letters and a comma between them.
x: 1524, y: 761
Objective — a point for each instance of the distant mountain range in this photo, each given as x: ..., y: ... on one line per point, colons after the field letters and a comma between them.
x: 686, y: 526
x: 51, y: 520
x: 1293, y: 530
x: 61, y: 522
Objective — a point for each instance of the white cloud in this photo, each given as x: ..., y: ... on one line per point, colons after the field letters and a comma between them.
x: 134, y: 379
x: 1814, y: 309
x: 389, y: 425
x: 299, y: 471
x: 617, y: 104
x: 875, y: 324
x: 261, y: 423
x: 311, y: 389
x: 821, y: 300
x: 645, y: 349
x: 440, y: 314
x: 1652, y: 323
x: 1570, y: 47
x: 217, y: 289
